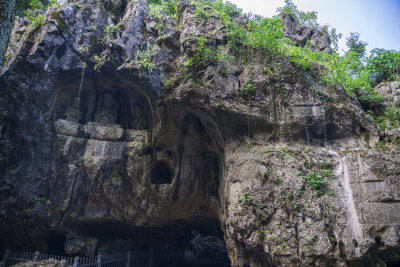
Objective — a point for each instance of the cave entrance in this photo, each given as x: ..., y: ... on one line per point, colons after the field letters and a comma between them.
x: 55, y: 244
x: 206, y: 247
x: 203, y: 243
x: 161, y: 173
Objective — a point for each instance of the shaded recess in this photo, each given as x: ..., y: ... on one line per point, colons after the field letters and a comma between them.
x: 55, y: 244
x: 109, y: 230
x: 184, y: 151
x: 203, y: 242
x: 161, y: 173
x: 109, y: 103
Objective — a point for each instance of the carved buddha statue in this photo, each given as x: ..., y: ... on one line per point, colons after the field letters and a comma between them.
x: 107, y: 109
x: 139, y: 119
x: 72, y: 112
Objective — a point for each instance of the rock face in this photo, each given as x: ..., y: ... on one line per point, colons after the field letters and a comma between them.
x: 98, y: 149
x: 208, y: 248
x: 319, y: 40
x: 391, y: 92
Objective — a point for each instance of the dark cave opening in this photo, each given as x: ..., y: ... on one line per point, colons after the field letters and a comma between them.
x: 161, y: 173
x: 203, y: 243
x: 392, y: 264
x: 55, y: 244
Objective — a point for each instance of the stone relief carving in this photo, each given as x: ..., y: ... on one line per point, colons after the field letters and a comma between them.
x: 72, y: 112
x: 139, y: 118
x: 107, y: 109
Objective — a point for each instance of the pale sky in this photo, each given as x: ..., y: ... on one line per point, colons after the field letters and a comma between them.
x: 377, y: 21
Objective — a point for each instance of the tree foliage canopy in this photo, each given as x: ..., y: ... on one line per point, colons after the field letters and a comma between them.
x: 22, y: 6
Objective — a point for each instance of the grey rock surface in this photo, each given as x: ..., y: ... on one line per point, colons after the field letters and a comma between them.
x: 95, y: 147
x: 319, y: 40
x: 391, y: 91
x: 207, y: 247
x: 46, y: 263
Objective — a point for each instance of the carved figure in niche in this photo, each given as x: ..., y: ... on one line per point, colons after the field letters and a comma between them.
x: 72, y: 112
x: 107, y: 109
x: 139, y: 119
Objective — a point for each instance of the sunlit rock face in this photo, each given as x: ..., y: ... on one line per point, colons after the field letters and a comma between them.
x: 100, y: 154
x: 319, y: 40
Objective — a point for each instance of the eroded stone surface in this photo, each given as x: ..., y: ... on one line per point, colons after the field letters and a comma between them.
x: 391, y: 90
x: 78, y: 161
x: 99, y: 131
x: 69, y: 128
x: 319, y: 40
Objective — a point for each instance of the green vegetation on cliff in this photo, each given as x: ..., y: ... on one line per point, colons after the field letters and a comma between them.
x: 357, y: 73
x: 23, y: 5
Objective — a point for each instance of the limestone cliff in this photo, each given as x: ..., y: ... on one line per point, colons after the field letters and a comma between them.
x: 106, y: 135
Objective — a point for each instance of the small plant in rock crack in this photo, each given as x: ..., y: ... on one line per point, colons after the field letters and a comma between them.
x: 284, y: 199
x: 108, y: 32
x: 223, y: 56
x: 249, y: 146
x: 203, y: 54
x: 310, y: 239
x: 83, y: 49
x: 261, y: 233
x: 273, y: 238
x: 266, y: 173
x: 99, y: 61
x: 36, y: 12
x: 40, y: 200
x: 284, y: 152
x: 144, y: 59
x: 328, y: 208
x: 326, y: 172
x: 248, y: 87
x: 246, y: 198
x: 307, y: 164
x: 37, y: 20
x: 315, y: 180
x: 270, y: 150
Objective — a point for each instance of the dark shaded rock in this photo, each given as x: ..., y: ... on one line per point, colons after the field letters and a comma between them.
x: 97, y: 146
x: 208, y: 247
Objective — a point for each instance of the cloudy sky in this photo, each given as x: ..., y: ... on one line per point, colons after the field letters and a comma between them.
x: 377, y: 21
